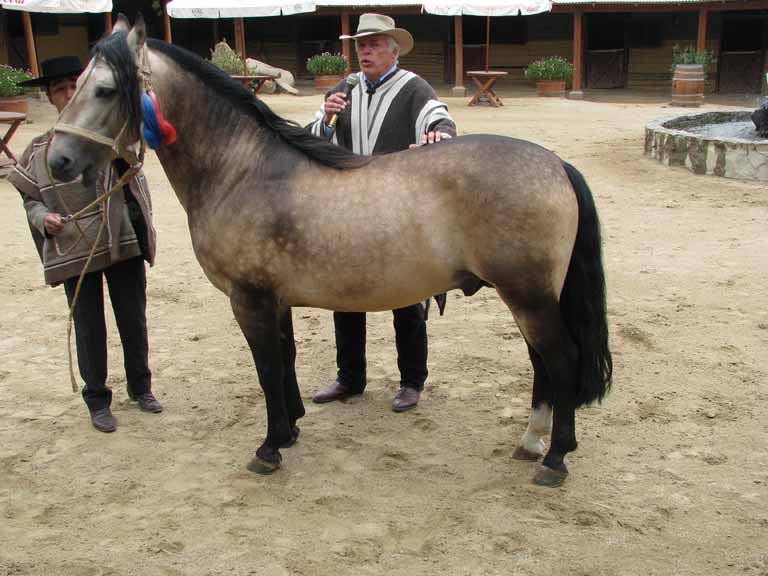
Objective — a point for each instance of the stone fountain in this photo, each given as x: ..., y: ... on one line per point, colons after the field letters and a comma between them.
x: 728, y: 144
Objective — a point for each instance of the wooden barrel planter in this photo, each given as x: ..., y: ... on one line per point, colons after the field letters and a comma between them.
x: 688, y: 85
x: 324, y: 82
x: 551, y: 88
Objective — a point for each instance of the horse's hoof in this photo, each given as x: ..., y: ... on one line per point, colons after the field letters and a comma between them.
x: 549, y: 478
x: 521, y: 453
x: 295, y: 431
x: 260, y: 466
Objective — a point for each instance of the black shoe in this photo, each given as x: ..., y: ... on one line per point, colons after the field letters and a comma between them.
x: 405, y: 399
x: 148, y: 403
x: 103, y: 420
x: 335, y: 391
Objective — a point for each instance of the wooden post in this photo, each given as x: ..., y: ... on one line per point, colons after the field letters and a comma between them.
x: 107, y: 23
x: 240, y: 42
x: 578, y: 51
x: 166, y: 23
x: 487, y: 42
x: 701, y: 39
x: 346, y: 47
x: 459, y: 90
x: 30, y: 40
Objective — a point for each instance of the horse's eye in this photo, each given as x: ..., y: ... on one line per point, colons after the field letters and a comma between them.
x: 105, y: 92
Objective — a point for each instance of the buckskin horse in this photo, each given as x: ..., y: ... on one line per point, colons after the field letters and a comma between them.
x: 279, y: 218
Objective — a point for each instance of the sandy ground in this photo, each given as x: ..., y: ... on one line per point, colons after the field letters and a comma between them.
x: 671, y: 476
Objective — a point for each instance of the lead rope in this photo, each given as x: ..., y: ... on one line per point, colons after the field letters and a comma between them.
x: 136, y: 162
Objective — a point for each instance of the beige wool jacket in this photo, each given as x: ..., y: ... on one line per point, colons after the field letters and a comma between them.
x: 64, y: 255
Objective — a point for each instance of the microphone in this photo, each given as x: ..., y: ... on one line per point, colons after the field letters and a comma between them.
x: 352, y: 81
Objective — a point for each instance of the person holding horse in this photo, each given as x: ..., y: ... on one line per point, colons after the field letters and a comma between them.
x: 381, y: 109
x: 64, y: 246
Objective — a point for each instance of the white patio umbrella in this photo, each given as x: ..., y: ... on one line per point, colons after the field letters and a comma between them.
x: 58, y: 6
x: 487, y: 8
x: 237, y: 8
x: 51, y: 7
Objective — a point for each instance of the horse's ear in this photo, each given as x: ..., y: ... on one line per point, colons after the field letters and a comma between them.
x: 122, y: 24
x: 138, y: 33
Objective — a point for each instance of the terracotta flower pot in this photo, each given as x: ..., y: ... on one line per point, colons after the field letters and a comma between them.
x: 553, y: 88
x: 324, y: 82
x: 18, y: 103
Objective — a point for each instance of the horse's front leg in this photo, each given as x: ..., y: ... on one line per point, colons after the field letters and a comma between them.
x: 257, y: 314
x: 292, y: 394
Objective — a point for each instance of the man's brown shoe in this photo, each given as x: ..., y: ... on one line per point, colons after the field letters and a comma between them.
x: 148, y: 403
x: 103, y: 420
x: 405, y: 399
x: 336, y: 391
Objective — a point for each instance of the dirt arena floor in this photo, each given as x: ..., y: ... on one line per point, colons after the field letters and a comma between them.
x: 670, y: 478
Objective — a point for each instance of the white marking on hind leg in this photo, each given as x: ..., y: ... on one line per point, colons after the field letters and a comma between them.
x: 539, y: 424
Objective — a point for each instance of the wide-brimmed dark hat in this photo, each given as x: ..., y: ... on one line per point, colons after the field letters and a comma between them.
x: 55, y: 69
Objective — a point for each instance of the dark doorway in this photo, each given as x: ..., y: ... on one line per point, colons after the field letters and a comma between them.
x: 742, y: 54
x: 606, y: 51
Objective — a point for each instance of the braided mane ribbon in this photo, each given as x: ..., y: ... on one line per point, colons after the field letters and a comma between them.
x: 157, y: 130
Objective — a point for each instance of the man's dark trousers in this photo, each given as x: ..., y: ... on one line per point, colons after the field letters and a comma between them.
x: 410, y: 338
x: 127, y: 283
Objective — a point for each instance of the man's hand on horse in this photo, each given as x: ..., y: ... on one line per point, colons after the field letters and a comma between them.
x: 432, y: 138
x: 53, y: 224
x: 334, y: 104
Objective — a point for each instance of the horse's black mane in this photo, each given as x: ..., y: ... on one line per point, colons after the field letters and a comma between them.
x: 115, y: 51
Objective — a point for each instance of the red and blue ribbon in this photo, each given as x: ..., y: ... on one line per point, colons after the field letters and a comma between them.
x: 157, y: 130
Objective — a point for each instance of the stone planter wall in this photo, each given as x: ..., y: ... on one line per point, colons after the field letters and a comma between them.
x: 668, y: 141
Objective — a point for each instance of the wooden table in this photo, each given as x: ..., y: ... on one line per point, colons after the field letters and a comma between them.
x: 485, y: 79
x: 256, y: 80
x: 14, y: 119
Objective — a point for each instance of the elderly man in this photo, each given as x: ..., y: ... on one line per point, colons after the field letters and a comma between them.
x: 64, y: 246
x: 386, y: 110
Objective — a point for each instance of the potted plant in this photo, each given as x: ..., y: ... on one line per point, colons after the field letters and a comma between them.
x: 13, y: 98
x: 689, y: 70
x: 328, y: 70
x: 550, y: 75
x: 227, y: 59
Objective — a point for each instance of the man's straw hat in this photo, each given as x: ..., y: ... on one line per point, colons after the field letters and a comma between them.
x: 372, y: 24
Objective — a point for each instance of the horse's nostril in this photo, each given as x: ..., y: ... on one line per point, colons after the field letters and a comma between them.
x: 59, y: 164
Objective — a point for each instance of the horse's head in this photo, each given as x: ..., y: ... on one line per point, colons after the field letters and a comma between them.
x: 104, y: 115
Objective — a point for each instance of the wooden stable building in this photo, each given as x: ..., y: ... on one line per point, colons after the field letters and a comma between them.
x: 613, y: 44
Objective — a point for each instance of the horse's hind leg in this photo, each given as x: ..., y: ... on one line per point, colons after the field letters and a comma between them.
x: 257, y: 314
x: 293, y: 401
x: 532, y: 445
x: 543, y: 329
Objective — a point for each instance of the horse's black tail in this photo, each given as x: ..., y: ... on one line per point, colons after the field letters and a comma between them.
x: 582, y: 302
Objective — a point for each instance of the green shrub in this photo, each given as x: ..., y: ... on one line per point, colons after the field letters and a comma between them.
x: 9, y: 77
x: 227, y: 59
x: 689, y: 55
x: 327, y: 63
x: 551, y: 68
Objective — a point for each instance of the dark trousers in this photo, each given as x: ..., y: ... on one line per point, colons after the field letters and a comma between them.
x: 410, y: 338
x: 127, y: 283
